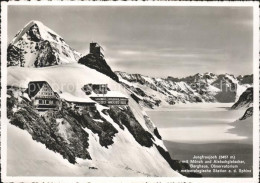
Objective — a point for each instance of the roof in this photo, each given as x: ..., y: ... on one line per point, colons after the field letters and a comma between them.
x: 71, y: 98
x: 109, y: 94
x: 38, y: 85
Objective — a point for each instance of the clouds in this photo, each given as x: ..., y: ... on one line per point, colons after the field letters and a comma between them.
x: 157, y: 41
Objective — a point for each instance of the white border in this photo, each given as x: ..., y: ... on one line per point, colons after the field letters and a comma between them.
x: 134, y: 3
x: 3, y: 86
x: 131, y: 179
x: 256, y: 93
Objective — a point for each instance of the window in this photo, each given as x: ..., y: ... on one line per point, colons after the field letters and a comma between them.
x: 40, y: 102
x: 47, y: 101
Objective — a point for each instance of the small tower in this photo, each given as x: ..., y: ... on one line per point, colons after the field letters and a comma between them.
x: 95, y: 49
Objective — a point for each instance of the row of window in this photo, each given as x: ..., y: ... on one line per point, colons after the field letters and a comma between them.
x: 46, y: 93
x: 109, y: 99
x: 45, y: 102
x: 113, y: 102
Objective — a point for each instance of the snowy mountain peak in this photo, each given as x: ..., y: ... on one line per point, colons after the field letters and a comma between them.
x: 201, y: 87
x: 37, y: 30
x: 36, y: 45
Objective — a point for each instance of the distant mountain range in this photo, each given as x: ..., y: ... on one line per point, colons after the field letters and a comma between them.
x: 208, y: 87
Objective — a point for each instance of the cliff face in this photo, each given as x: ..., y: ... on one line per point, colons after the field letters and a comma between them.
x: 248, y: 113
x: 245, y: 100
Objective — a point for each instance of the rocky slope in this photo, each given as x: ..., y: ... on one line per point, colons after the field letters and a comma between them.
x: 208, y: 87
x: 120, y: 136
x: 246, y: 79
x: 38, y: 46
x: 244, y: 126
x: 63, y: 131
x: 99, y: 64
x: 245, y: 100
x: 248, y: 113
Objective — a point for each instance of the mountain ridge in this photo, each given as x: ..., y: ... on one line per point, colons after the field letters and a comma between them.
x: 208, y: 87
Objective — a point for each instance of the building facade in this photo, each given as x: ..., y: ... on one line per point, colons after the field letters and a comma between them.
x: 108, y: 101
x: 96, y: 49
x: 42, y: 96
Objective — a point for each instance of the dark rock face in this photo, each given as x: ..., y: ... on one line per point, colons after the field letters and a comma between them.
x: 13, y: 55
x: 125, y: 118
x: 34, y: 34
x: 246, y: 79
x: 176, y: 164
x: 105, y: 130
x: 99, y: 64
x: 46, y: 56
x: 245, y: 99
x: 248, y: 113
x: 156, y: 133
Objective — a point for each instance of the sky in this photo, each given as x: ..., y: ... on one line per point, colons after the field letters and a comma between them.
x: 153, y: 41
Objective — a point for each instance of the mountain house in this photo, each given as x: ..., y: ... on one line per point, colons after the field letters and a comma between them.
x: 42, y: 96
x: 101, y: 94
x: 78, y: 102
x: 111, y: 98
x: 96, y: 49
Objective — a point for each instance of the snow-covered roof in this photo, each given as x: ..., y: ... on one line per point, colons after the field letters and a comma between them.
x: 109, y: 94
x: 71, y: 98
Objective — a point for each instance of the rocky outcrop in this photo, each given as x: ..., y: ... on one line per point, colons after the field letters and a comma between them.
x: 176, y: 164
x: 247, y: 114
x: 125, y: 118
x: 104, y: 129
x: 245, y: 100
x: 99, y: 64
x: 246, y: 79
